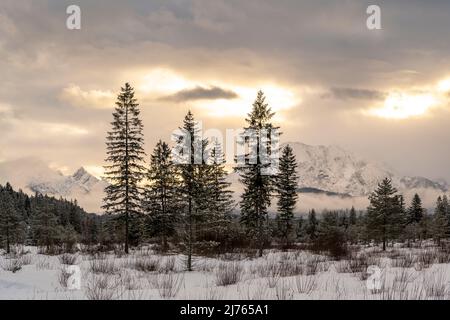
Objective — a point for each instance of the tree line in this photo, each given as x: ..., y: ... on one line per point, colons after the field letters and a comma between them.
x: 44, y: 221
x: 188, y: 206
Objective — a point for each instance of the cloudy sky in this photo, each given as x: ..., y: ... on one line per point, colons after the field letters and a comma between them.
x: 381, y: 93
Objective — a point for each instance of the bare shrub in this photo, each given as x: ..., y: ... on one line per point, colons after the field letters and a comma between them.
x: 358, y: 264
x: 289, y: 268
x: 12, y: 265
x: 425, y: 259
x: 284, y: 291
x: 443, y: 257
x: 167, y: 266
x: 146, y: 264
x: 213, y: 293
x: 402, y: 278
x: 272, y: 281
x: 305, y: 284
x: 63, y: 276
x: 106, y: 266
x: 43, y: 263
x: 249, y: 291
x: 228, y: 273
x: 342, y: 267
x: 68, y: 259
x: 435, y: 286
x: 169, y: 284
x: 267, y: 269
x: 26, y: 260
x: 102, y: 287
x: 129, y: 282
x: 312, y: 265
x: 403, y: 261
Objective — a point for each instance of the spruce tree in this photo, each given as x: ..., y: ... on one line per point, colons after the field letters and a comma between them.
x: 415, y: 211
x: 258, y: 186
x: 312, y: 225
x: 352, y: 216
x: 384, y: 215
x: 125, y: 157
x: 286, y: 184
x: 191, y: 190
x: 440, y: 221
x: 45, y: 223
x: 11, y: 226
x: 161, y: 201
x: 220, y: 197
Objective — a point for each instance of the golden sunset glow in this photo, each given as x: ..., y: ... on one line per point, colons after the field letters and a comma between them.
x: 403, y: 106
x: 444, y: 85
x: 278, y: 99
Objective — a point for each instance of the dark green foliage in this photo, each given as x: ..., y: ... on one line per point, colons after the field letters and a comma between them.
x: 44, y: 221
x: 258, y: 187
x: 385, y: 213
x: 440, y: 223
x: 12, y: 228
x: 161, y: 201
x: 125, y: 170
x: 286, y: 185
x: 331, y: 236
x: 415, y: 211
x: 312, y: 225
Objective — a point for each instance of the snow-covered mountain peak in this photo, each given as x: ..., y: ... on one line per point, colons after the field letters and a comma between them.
x: 334, y: 169
x: 34, y: 175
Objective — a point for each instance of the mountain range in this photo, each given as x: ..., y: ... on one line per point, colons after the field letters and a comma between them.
x: 329, y: 177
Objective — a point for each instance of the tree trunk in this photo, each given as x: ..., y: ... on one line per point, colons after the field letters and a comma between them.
x: 8, y: 247
x: 189, y: 259
x: 126, y: 182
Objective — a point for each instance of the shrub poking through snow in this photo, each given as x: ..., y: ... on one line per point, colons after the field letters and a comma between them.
x: 228, y: 273
x: 146, y: 264
x: 103, y: 266
x: 102, y: 287
x: 12, y: 265
x: 68, y: 259
x: 305, y: 284
x: 167, y: 266
x: 169, y: 284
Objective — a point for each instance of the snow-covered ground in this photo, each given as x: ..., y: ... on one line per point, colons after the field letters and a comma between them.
x: 399, y: 273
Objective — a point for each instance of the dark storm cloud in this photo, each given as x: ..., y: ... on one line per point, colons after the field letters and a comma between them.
x: 201, y: 93
x: 353, y: 93
x: 319, y: 44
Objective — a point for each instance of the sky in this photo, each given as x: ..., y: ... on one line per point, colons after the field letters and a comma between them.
x: 383, y: 94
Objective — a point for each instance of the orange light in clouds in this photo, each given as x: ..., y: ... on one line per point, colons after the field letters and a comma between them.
x: 444, y: 85
x: 161, y: 82
x: 403, y: 106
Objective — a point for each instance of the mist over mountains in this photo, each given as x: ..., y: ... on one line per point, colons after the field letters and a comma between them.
x: 330, y: 178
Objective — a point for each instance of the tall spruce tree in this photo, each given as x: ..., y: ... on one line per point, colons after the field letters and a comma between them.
x: 415, y: 211
x: 11, y: 226
x: 384, y: 214
x: 440, y: 221
x: 312, y: 225
x: 258, y: 186
x: 161, y: 201
x: 220, y: 197
x: 125, y: 155
x: 286, y: 185
x: 191, y: 173
x: 352, y: 216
